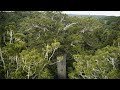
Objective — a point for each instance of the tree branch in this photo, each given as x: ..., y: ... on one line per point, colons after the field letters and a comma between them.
x: 54, y: 63
x: 48, y: 60
x: 11, y: 36
x: 52, y: 54
x: 67, y: 26
x: 2, y: 58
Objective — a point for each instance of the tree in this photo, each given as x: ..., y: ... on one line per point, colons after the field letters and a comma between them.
x: 103, y: 65
x: 31, y: 43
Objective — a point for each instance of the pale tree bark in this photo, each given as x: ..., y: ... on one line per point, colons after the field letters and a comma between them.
x: 28, y: 72
x: 54, y: 63
x: 11, y: 36
x: 16, y: 59
x: 48, y: 60
x: 61, y: 68
x: 52, y: 54
x: 2, y: 59
x: 69, y: 25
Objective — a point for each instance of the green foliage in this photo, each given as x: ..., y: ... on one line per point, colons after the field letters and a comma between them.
x: 45, y: 75
x: 102, y: 65
x: 60, y: 58
x: 31, y: 43
x: 32, y: 61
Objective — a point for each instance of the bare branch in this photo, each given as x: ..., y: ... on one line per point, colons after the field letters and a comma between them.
x: 67, y: 26
x: 48, y: 60
x: 2, y: 58
x: 34, y: 76
x: 28, y: 72
x: 16, y: 59
x: 52, y: 54
x: 43, y: 28
x: 55, y: 63
x: 11, y: 36
x: 62, y: 19
x: 43, y: 67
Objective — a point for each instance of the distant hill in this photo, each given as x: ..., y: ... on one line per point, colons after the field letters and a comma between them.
x: 95, y: 16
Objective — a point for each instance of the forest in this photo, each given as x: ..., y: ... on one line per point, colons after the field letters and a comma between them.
x: 36, y: 45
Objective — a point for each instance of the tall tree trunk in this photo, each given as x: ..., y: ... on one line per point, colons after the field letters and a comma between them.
x: 61, y: 68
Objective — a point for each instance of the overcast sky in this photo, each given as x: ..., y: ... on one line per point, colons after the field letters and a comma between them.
x: 107, y: 13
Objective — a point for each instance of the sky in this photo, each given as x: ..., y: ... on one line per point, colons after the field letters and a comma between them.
x: 107, y: 13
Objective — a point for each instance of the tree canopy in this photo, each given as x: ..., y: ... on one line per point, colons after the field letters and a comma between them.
x: 31, y: 42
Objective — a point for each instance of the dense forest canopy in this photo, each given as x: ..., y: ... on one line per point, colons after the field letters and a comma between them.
x: 31, y: 41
